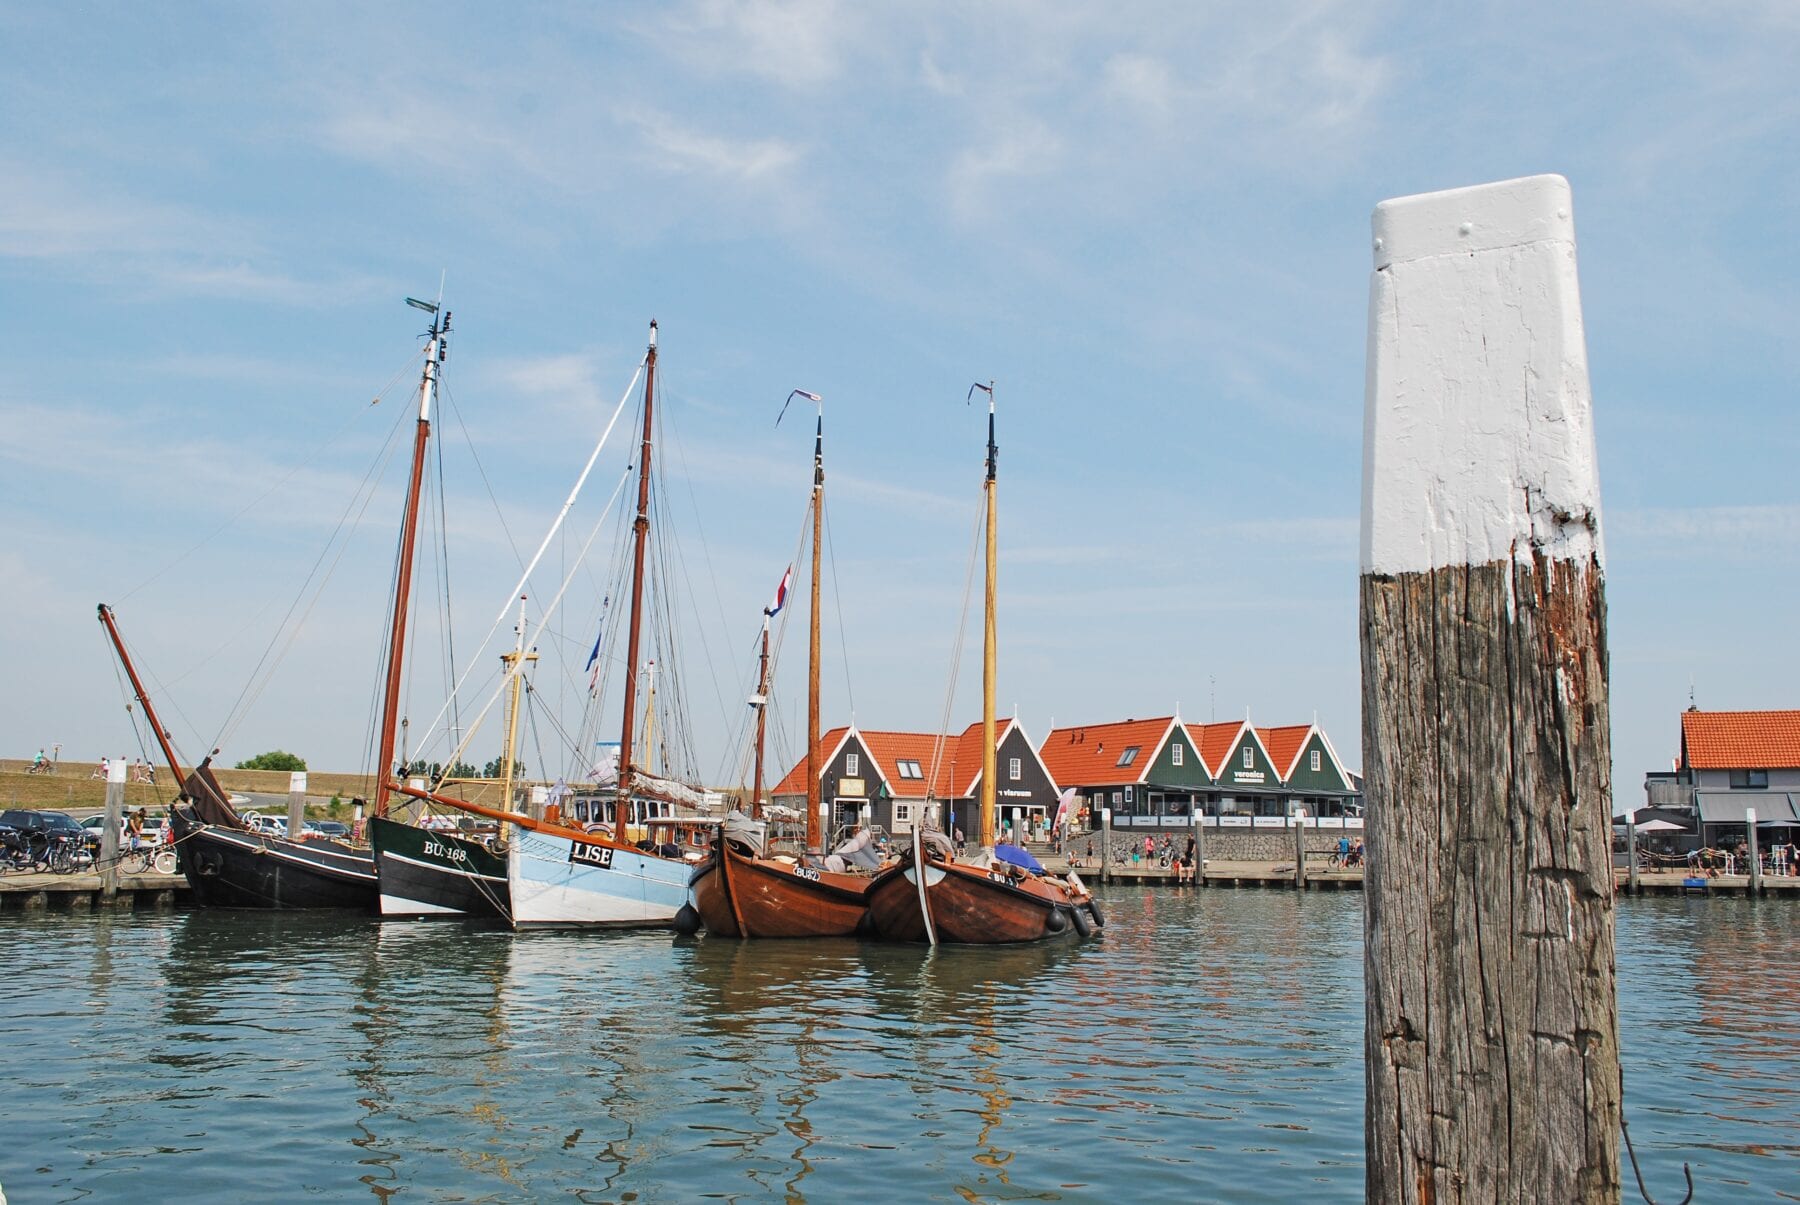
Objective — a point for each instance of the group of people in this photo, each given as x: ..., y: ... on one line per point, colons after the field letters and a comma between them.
x: 1348, y: 853
x: 1781, y: 861
x: 141, y: 770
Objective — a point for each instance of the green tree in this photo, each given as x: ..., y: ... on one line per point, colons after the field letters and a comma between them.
x: 493, y: 768
x: 275, y: 759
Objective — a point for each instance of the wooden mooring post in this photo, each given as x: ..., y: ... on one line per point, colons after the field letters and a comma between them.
x: 109, y: 832
x: 1631, y: 858
x: 1106, y: 845
x: 1298, y: 820
x: 296, y: 804
x: 1491, y: 1040
x: 1755, y: 858
x: 1199, y: 845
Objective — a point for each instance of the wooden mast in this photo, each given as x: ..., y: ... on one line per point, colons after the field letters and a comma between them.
x: 640, y: 533
x: 143, y: 697
x: 815, y: 835
x: 989, y: 643
x: 435, y: 351
x: 762, y: 715
x: 514, y: 687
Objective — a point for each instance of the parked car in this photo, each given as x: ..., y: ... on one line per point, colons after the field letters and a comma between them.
x: 154, y: 832
x: 54, y: 823
x: 337, y: 830
x: 274, y: 826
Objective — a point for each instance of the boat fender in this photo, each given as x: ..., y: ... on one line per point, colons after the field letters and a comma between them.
x: 1056, y: 922
x: 687, y: 921
x: 1094, y: 907
x: 1081, y: 924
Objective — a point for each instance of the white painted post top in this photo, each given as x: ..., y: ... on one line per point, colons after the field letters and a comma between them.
x: 1478, y: 440
x: 297, y: 782
x: 115, y: 770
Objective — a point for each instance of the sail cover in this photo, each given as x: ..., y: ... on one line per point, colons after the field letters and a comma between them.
x: 210, y: 802
x: 1018, y: 857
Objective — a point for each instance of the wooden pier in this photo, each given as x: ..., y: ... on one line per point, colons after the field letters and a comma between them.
x: 84, y: 892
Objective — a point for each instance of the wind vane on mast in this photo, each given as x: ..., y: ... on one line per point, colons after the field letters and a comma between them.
x: 811, y: 397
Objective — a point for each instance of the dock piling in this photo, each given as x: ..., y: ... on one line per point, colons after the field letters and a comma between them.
x: 297, y: 804
x: 1491, y: 1035
x: 109, y: 831
x: 1200, y: 844
x: 1756, y: 883
x: 1631, y: 881
x: 1299, y: 822
x: 1106, y: 845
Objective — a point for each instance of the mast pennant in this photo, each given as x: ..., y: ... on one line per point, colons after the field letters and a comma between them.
x: 781, y: 592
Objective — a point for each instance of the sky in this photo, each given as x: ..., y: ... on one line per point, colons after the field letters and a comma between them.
x: 1148, y: 223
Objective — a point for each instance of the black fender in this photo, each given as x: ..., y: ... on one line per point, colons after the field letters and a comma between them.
x: 1093, y: 906
x: 1081, y: 923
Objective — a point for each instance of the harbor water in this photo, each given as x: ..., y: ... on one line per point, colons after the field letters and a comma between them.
x: 1207, y: 1047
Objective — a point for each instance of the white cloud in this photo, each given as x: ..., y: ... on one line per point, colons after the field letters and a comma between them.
x: 674, y: 146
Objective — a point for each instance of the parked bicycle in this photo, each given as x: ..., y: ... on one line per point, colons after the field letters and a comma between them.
x: 147, y: 858
x: 62, y: 854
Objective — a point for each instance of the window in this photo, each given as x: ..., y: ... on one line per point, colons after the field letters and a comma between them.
x: 909, y: 769
x: 1249, y: 758
x: 1013, y: 769
x: 903, y: 813
x: 1315, y: 760
x: 1127, y: 794
x: 852, y: 764
x: 1742, y: 779
x: 1175, y: 754
x: 1130, y: 755
x: 1116, y: 797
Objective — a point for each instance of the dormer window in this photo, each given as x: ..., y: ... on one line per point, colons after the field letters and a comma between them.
x: 909, y: 769
x: 1130, y: 755
x: 1749, y: 779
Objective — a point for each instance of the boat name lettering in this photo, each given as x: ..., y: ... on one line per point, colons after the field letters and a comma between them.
x: 453, y: 853
x: 805, y: 872
x: 591, y: 855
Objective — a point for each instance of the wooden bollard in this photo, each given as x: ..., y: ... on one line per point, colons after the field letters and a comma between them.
x: 1106, y: 845
x: 1491, y: 1039
x: 1199, y: 845
x: 109, y: 830
x: 1631, y: 858
x: 296, y: 804
x: 1755, y: 858
x: 1299, y: 822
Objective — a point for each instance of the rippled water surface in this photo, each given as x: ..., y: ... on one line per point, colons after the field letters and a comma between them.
x: 1207, y: 1047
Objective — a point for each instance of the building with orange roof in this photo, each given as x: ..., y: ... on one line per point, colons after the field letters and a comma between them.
x: 1730, y: 763
x: 1159, y: 773
x: 895, y: 780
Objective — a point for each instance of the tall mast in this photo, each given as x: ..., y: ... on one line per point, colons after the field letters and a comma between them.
x: 815, y: 836
x: 762, y: 715
x: 640, y: 533
x: 989, y: 644
x: 435, y: 352
x: 143, y: 698
x: 515, y: 685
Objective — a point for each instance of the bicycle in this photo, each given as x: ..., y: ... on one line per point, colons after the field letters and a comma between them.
x: 147, y: 858
x: 66, y: 855
x: 41, y: 767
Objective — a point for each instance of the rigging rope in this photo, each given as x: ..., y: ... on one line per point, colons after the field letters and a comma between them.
x: 956, y: 654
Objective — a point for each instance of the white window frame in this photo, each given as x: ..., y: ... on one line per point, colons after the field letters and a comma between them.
x: 1315, y: 760
x: 1015, y: 769
x: 852, y: 765
x: 1117, y: 798
x: 903, y: 814
x: 1249, y: 758
x: 1175, y: 754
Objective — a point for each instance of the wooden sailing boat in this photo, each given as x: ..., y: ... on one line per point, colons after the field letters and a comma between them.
x: 741, y: 892
x: 430, y: 872
x: 990, y: 899
x: 564, y: 871
x: 225, y: 862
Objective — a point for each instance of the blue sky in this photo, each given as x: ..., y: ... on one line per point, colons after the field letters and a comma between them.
x: 1147, y: 222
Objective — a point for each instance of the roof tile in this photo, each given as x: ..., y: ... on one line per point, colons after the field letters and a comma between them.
x: 1741, y: 740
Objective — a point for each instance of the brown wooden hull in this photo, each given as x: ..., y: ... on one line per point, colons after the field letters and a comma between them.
x: 741, y: 896
x: 973, y: 906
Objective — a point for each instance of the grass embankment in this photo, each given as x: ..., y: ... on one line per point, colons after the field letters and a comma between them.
x: 73, y: 788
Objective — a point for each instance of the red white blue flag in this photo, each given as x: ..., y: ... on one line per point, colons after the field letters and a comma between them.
x: 780, y: 593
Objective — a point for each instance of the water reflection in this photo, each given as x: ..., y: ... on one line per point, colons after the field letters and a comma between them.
x: 1208, y: 1046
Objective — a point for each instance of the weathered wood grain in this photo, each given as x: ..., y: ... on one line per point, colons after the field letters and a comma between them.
x: 1492, y: 1040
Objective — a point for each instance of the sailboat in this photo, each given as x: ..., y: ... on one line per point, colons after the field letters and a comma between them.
x: 1000, y: 895
x: 431, y: 872
x: 225, y: 862
x: 572, y: 868
x: 739, y: 890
